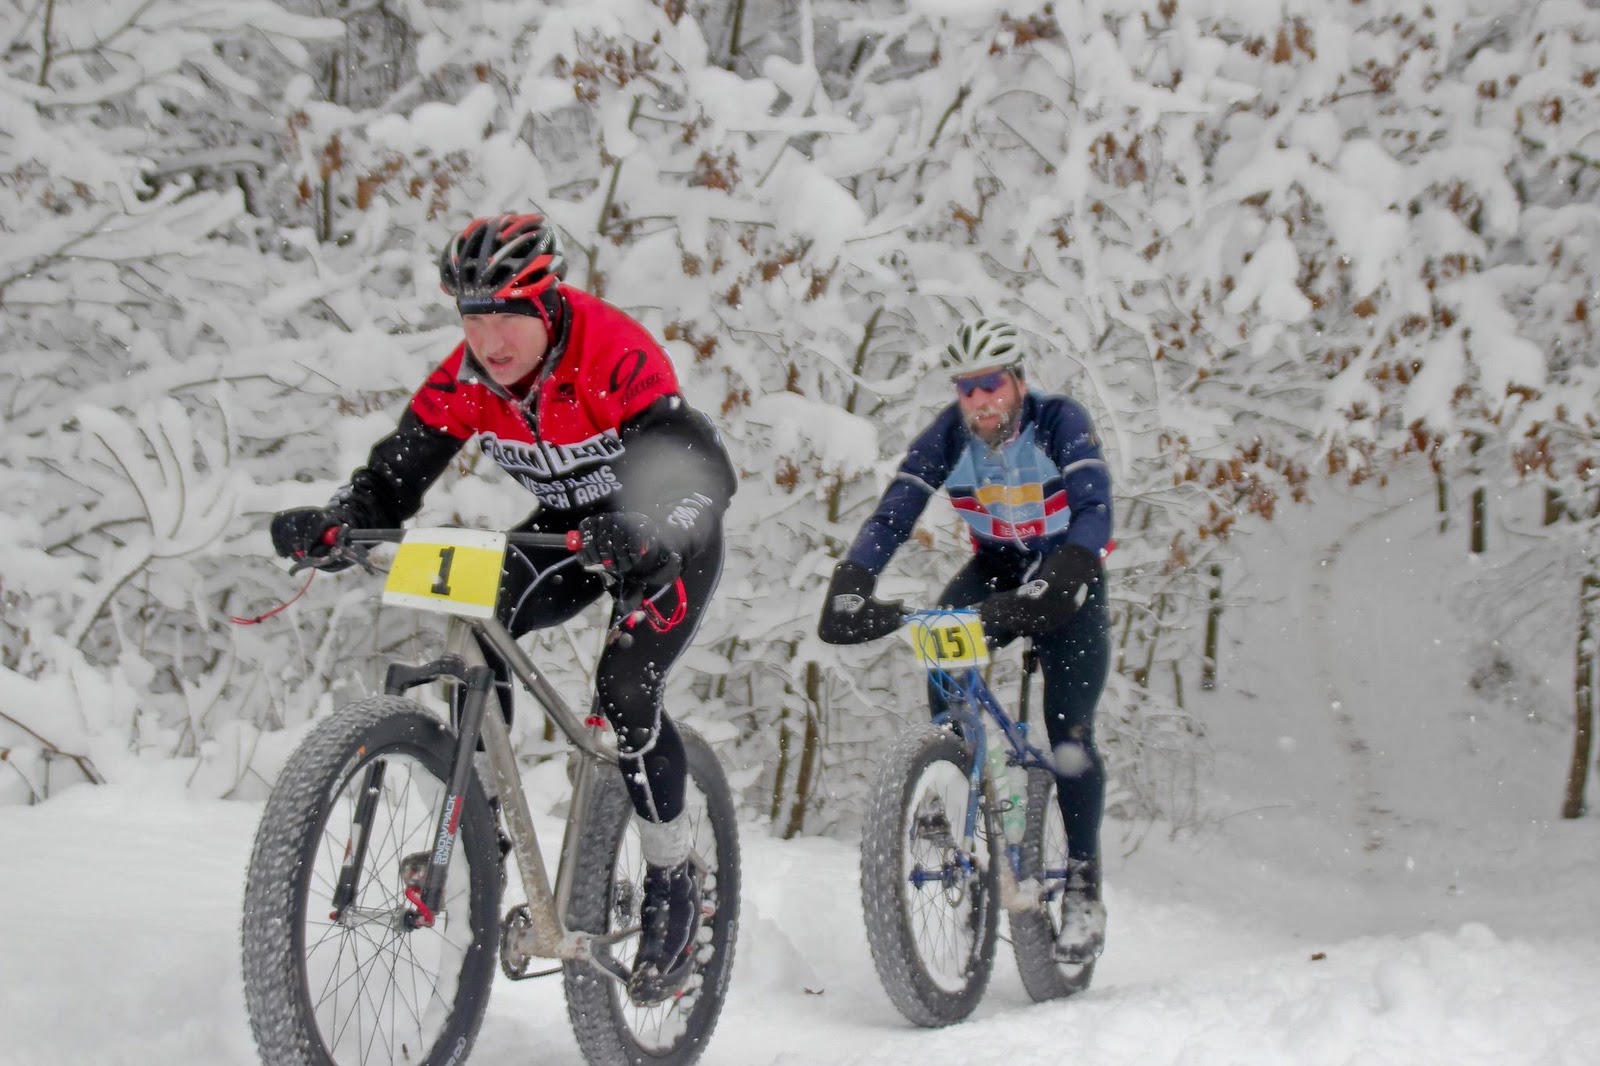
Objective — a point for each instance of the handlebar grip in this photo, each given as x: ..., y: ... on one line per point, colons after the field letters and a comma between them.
x: 574, y: 540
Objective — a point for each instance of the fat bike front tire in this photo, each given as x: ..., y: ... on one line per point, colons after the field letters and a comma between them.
x: 374, y: 985
x: 1033, y: 932
x: 607, y: 889
x: 932, y: 912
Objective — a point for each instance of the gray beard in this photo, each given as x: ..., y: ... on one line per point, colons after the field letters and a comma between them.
x: 1003, y: 431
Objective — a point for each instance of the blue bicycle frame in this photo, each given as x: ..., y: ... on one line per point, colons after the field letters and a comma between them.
x: 967, y: 699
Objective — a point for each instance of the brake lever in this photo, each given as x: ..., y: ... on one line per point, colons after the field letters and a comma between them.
x: 340, y: 551
x: 302, y: 564
x: 628, y: 592
x: 363, y: 560
x: 629, y: 597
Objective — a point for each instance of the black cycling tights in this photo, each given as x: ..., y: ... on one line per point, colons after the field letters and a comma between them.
x: 545, y: 588
x: 1075, y: 659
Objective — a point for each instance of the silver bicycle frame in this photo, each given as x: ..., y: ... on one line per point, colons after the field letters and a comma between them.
x: 546, y: 935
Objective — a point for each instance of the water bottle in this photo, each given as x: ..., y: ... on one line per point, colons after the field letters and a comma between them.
x: 1009, y: 790
x: 1015, y: 817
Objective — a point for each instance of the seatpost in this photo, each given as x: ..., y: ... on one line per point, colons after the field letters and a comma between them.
x: 1030, y: 663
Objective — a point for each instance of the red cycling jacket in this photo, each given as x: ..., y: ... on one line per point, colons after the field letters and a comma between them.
x: 603, y: 427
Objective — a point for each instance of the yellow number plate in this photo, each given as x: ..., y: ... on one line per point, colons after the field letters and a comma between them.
x: 949, y: 639
x: 453, y: 571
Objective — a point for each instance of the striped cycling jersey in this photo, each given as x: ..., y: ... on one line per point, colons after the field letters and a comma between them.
x: 1014, y: 493
x: 1047, y: 486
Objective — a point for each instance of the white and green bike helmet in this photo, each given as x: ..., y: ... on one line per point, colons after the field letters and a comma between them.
x: 981, y: 344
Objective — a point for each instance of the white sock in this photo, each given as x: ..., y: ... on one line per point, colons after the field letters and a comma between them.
x: 663, y: 843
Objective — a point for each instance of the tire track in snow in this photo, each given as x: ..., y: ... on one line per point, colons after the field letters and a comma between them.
x: 1369, y: 812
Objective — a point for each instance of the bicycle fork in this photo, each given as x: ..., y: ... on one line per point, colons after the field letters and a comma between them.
x: 423, y: 875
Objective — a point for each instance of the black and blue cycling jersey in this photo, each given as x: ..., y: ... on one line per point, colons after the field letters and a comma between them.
x: 1047, y: 486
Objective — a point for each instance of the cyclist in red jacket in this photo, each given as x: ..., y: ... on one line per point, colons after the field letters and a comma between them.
x: 581, y: 406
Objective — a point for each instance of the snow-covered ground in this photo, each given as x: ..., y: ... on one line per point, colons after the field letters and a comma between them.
x: 1377, y: 875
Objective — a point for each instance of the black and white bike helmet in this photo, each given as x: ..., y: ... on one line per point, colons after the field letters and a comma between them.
x: 983, y: 344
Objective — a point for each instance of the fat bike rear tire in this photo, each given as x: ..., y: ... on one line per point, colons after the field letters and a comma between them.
x: 607, y: 889
x: 1033, y: 932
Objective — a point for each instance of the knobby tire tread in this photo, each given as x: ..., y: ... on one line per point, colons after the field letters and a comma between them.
x: 279, y: 875
x: 1033, y: 935
x: 883, y: 841
x: 594, y: 1001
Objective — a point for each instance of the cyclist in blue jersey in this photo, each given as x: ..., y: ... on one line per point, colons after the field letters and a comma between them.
x: 1024, y: 469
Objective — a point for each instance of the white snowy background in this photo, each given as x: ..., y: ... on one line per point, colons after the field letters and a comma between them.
x: 1378, y: 880
x: 1324, y: 273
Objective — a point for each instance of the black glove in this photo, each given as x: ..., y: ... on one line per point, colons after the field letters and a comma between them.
x: 850, y: 614
x: 1051, y: 598
x: 303, y: 533
x: 628, y: 545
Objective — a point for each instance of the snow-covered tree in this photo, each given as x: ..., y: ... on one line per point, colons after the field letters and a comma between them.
x: 1266, y: 245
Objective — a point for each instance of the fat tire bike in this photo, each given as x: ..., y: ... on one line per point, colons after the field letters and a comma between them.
x: 372, y: 926
x: 937, y: 867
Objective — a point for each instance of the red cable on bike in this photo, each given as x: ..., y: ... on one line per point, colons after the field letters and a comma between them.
x: 424, y: 915
x: 653, y: 615
x: 238, y: 621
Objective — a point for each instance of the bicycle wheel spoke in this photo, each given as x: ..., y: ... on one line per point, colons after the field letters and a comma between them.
x: 930, y: 916
x: 942, y: 905
x: 609, y: 1024
x: 369, y: 987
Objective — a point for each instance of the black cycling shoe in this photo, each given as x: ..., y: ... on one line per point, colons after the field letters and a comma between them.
x: 669, y: 919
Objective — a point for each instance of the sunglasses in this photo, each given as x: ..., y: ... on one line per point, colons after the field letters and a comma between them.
x: 987, y: 381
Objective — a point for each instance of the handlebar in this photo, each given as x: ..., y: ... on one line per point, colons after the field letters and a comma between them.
x: 348, y: 546
x: 571, y: 541
x: 909, y: 613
